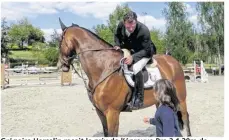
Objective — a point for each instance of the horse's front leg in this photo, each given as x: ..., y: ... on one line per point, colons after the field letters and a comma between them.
x: 103, y: 121
x: 112, y: 116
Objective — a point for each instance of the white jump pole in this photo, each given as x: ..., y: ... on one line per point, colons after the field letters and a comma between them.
x: 204, y: 75
x: 194, y: 71
x: 202, y: 71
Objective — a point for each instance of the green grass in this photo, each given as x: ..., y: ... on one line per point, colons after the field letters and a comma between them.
x: 28, y: 55
x: 17, y: 47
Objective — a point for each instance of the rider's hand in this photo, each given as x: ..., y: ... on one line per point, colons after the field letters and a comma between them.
x: 146, y: 120
x: 129, y: 60
x: 117, y: 48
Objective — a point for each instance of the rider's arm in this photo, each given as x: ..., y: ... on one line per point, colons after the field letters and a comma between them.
x: 145, y: 44
x: 117, y: 35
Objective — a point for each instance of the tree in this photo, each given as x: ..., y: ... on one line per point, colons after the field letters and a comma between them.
x: 107, y: 31
x: 4, y: 38
x: 51, y: 52
x: 51, y: 55
x: 104, y: 32
x: 179, y: 31
x: 211, y: 18
x: 117, y: 16
x: 55, y: 38
x: 158, y: 40
x: 35, y: 35
x: 23, y: 32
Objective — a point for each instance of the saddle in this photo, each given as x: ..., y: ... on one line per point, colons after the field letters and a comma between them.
x: 151, y: 72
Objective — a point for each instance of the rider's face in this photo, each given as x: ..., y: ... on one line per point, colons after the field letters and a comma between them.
x: 130, y: 25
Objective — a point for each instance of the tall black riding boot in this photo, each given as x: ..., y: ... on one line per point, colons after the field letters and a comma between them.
x: 139, y: 91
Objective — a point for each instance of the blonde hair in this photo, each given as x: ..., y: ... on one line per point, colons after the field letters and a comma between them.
x: 166, y: 93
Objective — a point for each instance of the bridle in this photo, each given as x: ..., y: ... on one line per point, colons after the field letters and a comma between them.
x: 70, y: 58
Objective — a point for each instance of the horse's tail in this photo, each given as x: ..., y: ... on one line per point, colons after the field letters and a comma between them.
x: 180, y: 121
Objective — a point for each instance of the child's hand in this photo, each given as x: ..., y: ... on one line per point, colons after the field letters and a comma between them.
x: 146, y: 120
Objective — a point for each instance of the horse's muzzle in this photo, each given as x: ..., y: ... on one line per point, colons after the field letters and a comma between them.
x: 65, y: 68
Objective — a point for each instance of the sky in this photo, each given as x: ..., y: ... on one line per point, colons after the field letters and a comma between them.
x: 44, y: 15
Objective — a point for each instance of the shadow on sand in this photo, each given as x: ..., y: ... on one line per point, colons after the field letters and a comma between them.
x: 149, y: 132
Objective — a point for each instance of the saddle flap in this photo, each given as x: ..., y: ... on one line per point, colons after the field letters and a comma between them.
x: 150, y: 73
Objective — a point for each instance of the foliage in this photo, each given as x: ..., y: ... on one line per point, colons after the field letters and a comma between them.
x: 116, y: 16
x: 24, y: 32
x: 179, y: 31
x: 158, y: 40
x: 106, y: 32
x: 4, y: 38
x: 211, y: 18
x: 51, y: 55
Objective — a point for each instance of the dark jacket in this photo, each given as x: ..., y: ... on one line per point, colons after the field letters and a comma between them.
x: 166, y: 122
x: 139, y: 42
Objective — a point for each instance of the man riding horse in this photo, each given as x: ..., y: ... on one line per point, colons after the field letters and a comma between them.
x: 135, y: 37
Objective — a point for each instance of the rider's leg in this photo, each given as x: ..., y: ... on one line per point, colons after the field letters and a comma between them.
x: 139, y: 90
x: 139, y: 82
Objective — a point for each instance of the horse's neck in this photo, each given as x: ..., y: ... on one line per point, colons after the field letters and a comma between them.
x: 95, y: 64
x: 98, y: 64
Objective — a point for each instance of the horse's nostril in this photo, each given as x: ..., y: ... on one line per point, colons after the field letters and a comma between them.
x: 65, y: 69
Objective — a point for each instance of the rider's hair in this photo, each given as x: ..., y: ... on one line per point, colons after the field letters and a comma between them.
x: 166, y: 93
x: 130, y: 16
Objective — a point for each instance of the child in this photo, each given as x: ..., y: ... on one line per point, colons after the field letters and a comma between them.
x: 165, y: 117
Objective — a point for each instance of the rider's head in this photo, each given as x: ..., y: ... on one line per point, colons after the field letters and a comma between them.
x: 130, y: 21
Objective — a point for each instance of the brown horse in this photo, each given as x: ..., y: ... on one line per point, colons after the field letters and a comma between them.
x: 107, y: 88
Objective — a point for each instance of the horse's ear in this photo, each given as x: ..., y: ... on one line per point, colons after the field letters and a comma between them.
x: 63, y: 27
x: 73, y: 24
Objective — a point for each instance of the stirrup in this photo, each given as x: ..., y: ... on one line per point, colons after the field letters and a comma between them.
x: 133, y: 106
x: 139, y: 104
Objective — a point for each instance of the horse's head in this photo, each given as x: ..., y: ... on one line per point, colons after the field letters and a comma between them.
x: 78, y: 40
x: 67, y: 47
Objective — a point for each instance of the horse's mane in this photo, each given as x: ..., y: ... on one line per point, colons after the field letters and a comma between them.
x: 93, y: 35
